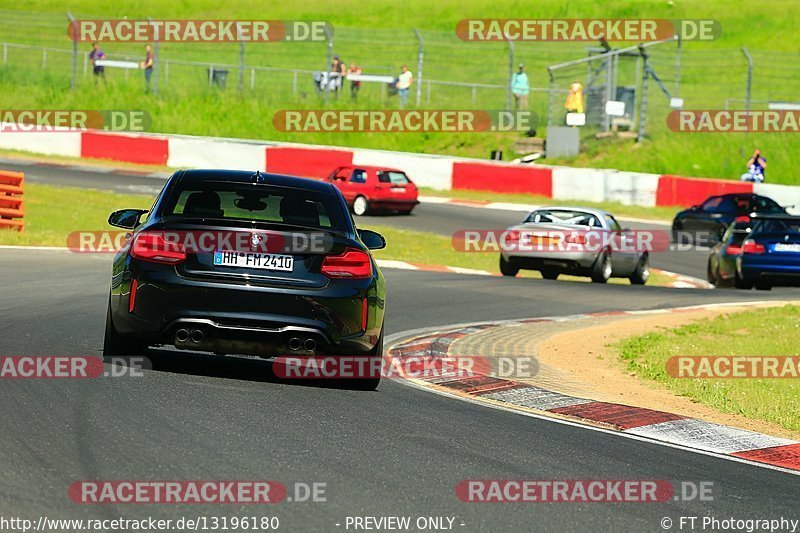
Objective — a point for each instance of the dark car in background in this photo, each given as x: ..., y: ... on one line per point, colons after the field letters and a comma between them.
x: 722, y: 257
x: 770, y: 254
x: 307, y: 302
x: 705, y: 223
x: 369, y: 189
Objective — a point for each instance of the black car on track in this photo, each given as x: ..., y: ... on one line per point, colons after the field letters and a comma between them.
x: 166, y: 289
x: 706, y: 222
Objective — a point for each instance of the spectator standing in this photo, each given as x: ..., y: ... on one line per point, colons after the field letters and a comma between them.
x: 404, y: 81
x: 337, y: 74
x: 355, y: 85
x: 574, y: 103
x: 520, y: 88
x: 94, y: 55
x: 756, y: 166
x: 147, y: 65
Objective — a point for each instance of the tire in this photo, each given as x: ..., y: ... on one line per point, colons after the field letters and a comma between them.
x: 642, y: 272
x: 115, y: 344
x: 550, y: 274
x: 367, y: 384
x: 360, y: 206
x: 507, y: 268
x: 741, y: 283
x: 601, y: 270
x: 763, y: 286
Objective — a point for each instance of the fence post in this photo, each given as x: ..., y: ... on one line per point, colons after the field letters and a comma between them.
x: 74, y: 50
x: 550, y: 96
x: 241, y: 57
x: 44, y: 58
x: 329, y: 37
x: 643, y: 101
x: 749, y: 77
x: 420, y: 56
x: 678, y: 67
x: 510, y: 72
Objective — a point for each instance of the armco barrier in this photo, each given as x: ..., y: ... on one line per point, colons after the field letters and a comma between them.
x: 145, y: 150
x: 11, y: 205
x: 306, y: 162
x: 503, y: 178
x: 679, y: 191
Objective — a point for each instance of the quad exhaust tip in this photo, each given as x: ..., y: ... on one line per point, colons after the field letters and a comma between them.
x: 310, y: 345
x: 197, y: 336
x: 182, y: 335
x: 295, y: 344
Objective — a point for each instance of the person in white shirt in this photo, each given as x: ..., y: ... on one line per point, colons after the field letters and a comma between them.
x: 404, y: 82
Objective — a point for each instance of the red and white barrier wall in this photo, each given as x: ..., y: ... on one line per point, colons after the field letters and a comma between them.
x: 438, y: 172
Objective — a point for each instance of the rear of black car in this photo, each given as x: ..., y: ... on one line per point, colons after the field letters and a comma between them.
x: 242, y: 263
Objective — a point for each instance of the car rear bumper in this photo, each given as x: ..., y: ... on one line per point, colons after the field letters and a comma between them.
x: 566, y: 261
x: 393, y: 204
x: 246, y: 319
x: 774, y: 272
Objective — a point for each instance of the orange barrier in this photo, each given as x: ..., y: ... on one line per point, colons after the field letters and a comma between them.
x: 11, y: 208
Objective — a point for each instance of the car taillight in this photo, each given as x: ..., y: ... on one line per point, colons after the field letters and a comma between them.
x: 743, y: 218
x: 733, y: 249
x: 352, y: 264
x: 155, y: 248
x: 752, y: 247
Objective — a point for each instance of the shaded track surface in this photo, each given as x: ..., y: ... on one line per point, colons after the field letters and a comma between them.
x: 396, y: 451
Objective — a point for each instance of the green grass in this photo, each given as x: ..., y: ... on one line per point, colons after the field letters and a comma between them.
x: 378, y: 35
x: 52, y: 213
x: 618, y: 209
x: 761, y: 332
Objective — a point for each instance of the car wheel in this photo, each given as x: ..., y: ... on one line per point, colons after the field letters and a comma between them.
x: 360, y: 206
x: 741, y: 283
x: 115, y: 344
x: 642, y: 272
x: 601, y: 270
x: 507, y: 269
x: 550, y: 274
x: 371, y: 383
x: 763, y: 286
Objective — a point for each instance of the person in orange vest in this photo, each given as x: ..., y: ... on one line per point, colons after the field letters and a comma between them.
x: 574, y: 103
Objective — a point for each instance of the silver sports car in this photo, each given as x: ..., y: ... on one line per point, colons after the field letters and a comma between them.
x: 574, y: 240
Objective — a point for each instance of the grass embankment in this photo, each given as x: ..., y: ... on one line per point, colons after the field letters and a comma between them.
x: 52, y: 213
x: 379, y: 36
x: 762, y: 332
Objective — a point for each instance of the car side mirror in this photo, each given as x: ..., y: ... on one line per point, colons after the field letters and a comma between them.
x: 695, y: 207
x: 126, y: 218
x: 372, y: 239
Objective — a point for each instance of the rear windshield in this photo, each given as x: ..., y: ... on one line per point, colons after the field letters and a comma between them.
x: 395, y: 178
x: 777, y: 226
x: 260, y: 203
x: 564, y: 216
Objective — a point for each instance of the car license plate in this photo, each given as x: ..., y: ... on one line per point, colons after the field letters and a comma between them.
x: 398, y: 189
x: 782, y: 247
x: 254, y: 260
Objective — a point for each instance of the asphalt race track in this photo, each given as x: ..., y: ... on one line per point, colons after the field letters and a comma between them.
x: 397, y: 451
